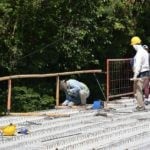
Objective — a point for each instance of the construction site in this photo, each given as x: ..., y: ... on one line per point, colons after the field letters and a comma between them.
x: 115, y: 126
x: 74, y: 75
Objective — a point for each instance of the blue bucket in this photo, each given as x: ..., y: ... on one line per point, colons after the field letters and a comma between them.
x: 98, y: 104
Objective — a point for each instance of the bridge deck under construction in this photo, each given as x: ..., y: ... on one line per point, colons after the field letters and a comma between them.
x: 116, y: 128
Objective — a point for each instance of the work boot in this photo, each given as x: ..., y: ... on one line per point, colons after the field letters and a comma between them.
x: 140, y: 108
x: 146, y: 102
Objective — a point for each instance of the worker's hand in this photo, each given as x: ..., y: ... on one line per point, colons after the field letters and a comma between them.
x: 135, y: 79
x: 69, y: 92
x: 72, y: 93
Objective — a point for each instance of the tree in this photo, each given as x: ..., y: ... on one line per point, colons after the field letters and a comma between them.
x: 41, y: 36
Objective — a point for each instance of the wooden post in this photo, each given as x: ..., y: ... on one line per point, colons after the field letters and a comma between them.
x: 57, y: 91
x: 9, y: 97
x: 107, y: 84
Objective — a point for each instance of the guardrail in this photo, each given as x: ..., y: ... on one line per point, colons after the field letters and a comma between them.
x: 57, y: 75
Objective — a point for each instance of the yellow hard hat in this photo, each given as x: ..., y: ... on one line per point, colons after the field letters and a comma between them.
x: 135, y: 40
x: 9, y: 130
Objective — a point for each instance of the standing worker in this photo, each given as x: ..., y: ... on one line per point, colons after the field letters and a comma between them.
x: 141, y: 70
x: 76, y: 92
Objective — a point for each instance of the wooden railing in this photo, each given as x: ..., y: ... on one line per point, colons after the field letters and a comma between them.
x: 57, y: 75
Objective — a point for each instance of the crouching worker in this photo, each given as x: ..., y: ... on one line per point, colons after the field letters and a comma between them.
x: 76, y: 92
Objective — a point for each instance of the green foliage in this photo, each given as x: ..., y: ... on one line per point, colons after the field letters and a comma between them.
x: 67, y: 31
x: 3, y: 99
x: 26, y: 99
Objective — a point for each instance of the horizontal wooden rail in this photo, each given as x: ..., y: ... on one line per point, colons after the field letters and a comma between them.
x: 119, y: 59
x: 48, y: 75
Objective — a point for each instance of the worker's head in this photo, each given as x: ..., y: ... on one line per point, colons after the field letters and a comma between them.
x: 63, y: 85
x: 135, y: 40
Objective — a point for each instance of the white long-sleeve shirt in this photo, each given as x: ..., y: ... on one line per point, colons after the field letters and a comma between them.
x: 141, y: 60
